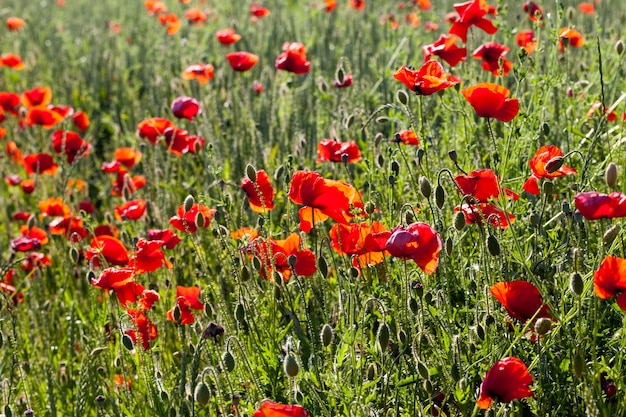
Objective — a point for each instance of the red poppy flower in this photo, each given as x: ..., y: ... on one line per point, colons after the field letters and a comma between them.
x: 153, y: 128
x: 343, y: 80
x: 71, y: 144
x: 9, y: 102
x: 187, y: 107
x: 227, y: 36
x: 482, y: 185
x: 507, y: 380
x: 293, y: 59
x: 521, y: 300
x: 43, y: 116
x: 131, y: 210
x: 274, y: 256
x: 155, y: 7
x: 112, y: 250
x: 14, y: 23
x: 187, y: 298
x: 571, y: 37
x: 11, y: 61
x: 534, y: 11
x: 471, y: 13
x: 419, y: 242
x: 597, y: 108
x: 492, y: 100
x: 63, y: 111
x: 54, y: 207
x: 148, y: 299
x: 257, y: 87
x: 106, y: 230
x: 429, y: 79
x: 80, y: 120
x: 35, y: 232
x: 40, y: 163
x: 246, y: 233
x: 445, y: 48
x: 169, y: 238
x: 179, y: 142
x: 14, y: 153
x: 28, y: 186
x: 242, y: 61
x: 322, y: 199
x: 120, y: 280
x: 149, y: 256
x: 195, y: 16
x: 257, y: 10
x: 357, y: 4
x: 37, y: 97
x: 34, y: 260
x: 593, y: 205
x: 610, y: 280
x: 127, y: 157
x: 538, y: 163
x: 492, y: 54
x: 526, y: 40
x: 144, y: 328
x: 271, y: 409
x: 478, y: 213
x: 124, y: 181
x: 407, y: 137
x: 333, y: 151
x: 186, y: 221
x: 260, y: 192
x: 171, y: 22
x: 71, y: 227
x: 330, y: 5
x: 202, y: 73
x: 587, y: 7
x: 25, y: 244
x: 360, y: 240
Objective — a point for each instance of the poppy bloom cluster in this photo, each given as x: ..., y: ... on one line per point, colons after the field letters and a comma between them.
x: 493, y: 58
x: 334, y: 151
x: 187, y: 300
x: 418, y: 242
x: 178, y: 141
x: 281, y: 256
x: 362, y: 241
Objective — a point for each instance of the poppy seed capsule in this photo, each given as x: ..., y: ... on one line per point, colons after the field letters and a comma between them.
x: 326, y: 335
x: 402, y: 97
x: 413, y: 306
x: 452, y: 155
x: 395, y: 168
x: 554, y: 164
x: 543, y: 325
x: 493, y: 246
x: 229, y: 361
x: 459, y: 220
x: 610, y: 175
x: 422, y: 370
x: 202, y: 394
x: 440, y: 196
x: 251, y: 173
x: 425, y: 187
x: 428, y: 386
x: 383, y: 336
x: 611, y: 234
x: 576, y: 284
x: 188, y: 203
x: 290, y: 366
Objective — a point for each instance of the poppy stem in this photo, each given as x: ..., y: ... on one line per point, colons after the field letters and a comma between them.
x: 496, y: 154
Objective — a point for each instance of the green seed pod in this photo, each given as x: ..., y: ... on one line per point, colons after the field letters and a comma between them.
x: 290, y: 366
x: 199, y: 220
x: 455, y: 371
x: 251, y: 172
x: 372, y: 371
x: 326, y: 335
x: 493, y: 246
x: 422, y: 370
x: 188, y: 203
x: 127, y: 341
x: 428, y: 386
x: 240, y: 313
x: 449, y: 246
x: 350, y: 121
x: 382, y: 120
x: 402, y: 97
x: 395, y: 168
x: 611, y: 234
x: 202, y: 394
x: 576, y: 284
x: 459, y: 220
x: 425, y: 187
x: 578, y: 365
x: 440, y: 196
x: 322, y: 266
x: 413, y: 306
x: 543, y: 326
x: 480, y: 332
x: 383, y: 336
x: 610, y: 175
x: 229, y: 361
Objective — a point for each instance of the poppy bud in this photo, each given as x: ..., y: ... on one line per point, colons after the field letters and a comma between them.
x: 322, y: 266
x: 74, y: 255
x: 566, y: 208
x: 391, y: 180
x: 290, y: 366
x: 578, y: 365
x: 422, y: 370
x: 610, y: 175
x: 291, y: 260
x: 548, y: 187
x: 100, y: 400
x: 229, y: 361
x: 95, y: 351
x: 256, y: 263
x: 245, y: 273
x: 370, y: 207
x: 383, y: 336
x: 455, y: 371
x: 176, y: 314
x: 402, y: 97
x: 354, y: 272
x: 545, y: 129
x: 382, y: 120
x: 380, y: 160
x: 251, y: 173
x: 1, y: 340
x: 413, y: 306
x: 172, y: 412
x: 372, y: 371
x: 570, y: 13
x: 489, y: 320
x: 395, y: 168
x: 493, y: 246
x: 611, y: 234
x: 619, y: 47
x: 459, y: 220
x: 202, y: 394
x: 428, y: 386
x: 480, y: 332
x: 535, y: 219
x: 554, y: 164
x: 31, y: 413
x: 31, y: 221
x: 440, y: 196
x: 569, y: 92
x: 543, y: 325
x: 452, y: 155
x: 350, y: 121
x: 576, y: 284
x: 448, y: 246
x: 127, y: 341
x: 199, y: 221
x: 8, y: 411
x: 345, y: 158
x: 240, y: 313
x: 420, y: 154
x: 236, y: 399
x: 188, y: 203
x: 425, y: 187
x: 326, y: 335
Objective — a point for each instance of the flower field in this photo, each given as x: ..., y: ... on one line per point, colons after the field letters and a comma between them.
x: 312, y: 208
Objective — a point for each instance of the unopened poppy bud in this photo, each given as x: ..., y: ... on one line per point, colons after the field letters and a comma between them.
x: 292, y: 260
x: 619, y: 47
x: 322, y: 266
x: 395, y: 168
x: 199, y: 220
x: 74, y: 255
x: 535, y: 218
x: 32, y: 220
x: 127, y: 341
x: 1, y: 340
x: 413, y: 306
x: 576, y: 284
x: 428, y: 386
x: 326, y: 335
x: 100, y: 400
x: 229, y: 361
x: 188, y: 203
x: 459, y: 220
x: 290, y: 366
x: 548, y: 187
x: 350, y: 121
x: 345, y: 158
x: 566, y: 208
x: 245, y: 274
x: 425, y: 187
x: 420, y: 155
x: 354, y: 272
x: 577, y: 217
x: 493, y: 246
x: 402, y: 97
x: 611, y: 234
x: 569, y: 92
x: 452, y: 155
x: 383, y: 336
x: 202, y: 394
x: 578, y: 365
x: 236, y: 399
x: 480, y: 332
x: 176, y: 314
x: 543, y: 326
x: 545, y: 129
x: 554, y: 164
x: 240, y: 313
x: 440, y: 196
x: 382, y: 120
x: 422, y: 370
x: 610, y: 175
x: 391, y: 180
x: 256, y: 263
x: 570, y: 13
x: 489, y: 320
x: 455, y: 371
x: 449, y: 246
x: 251, y: 173
x: 8, y: 411
x: 370, y: 207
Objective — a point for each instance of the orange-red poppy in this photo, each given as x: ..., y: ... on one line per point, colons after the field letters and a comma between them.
x: 28, y: 186
x: 149, y: 256
x: 109, y: 249
x: 293, y: 59
x: 445, y: 47
x: 227, y: 36
x: 195, y: 16
x: 521, y: 299
x: 81, y: 120
x: 120, y: 280
x: 407, y: 137
x: 257, y: 10
x: 507, y: 380
x: 571, y: 37
x: 13, y: 152
x: 54, y: 207
x: 478, y: 213
x: 185, y: 221
x: 332, y: 151
x: 71, y: 144
x: 37, y: 97
x: 153, y: 128
x: 187, y: 107
x: 169, y: 238
x: 610, y: 280
x: 131, y: 210
x: 187, y: 298
x: 472, y: 13
x: 482, y: 185
x: 492, y: 100
x: 247, y: 233
x: 593, y: 205
x: 63, y: 111
x: 155, y: 7
x: 36, y: 233
x: 144, y: 330
x: 12, y: 61
x: 359, y: 240
x: 357, y: 4
x: 9, y: 102
x: 15, y: 23
x: 242, y: 61
x: 260, y: 192
x: 148, y: 299
x: 40, y: 163
x: 171, y: 22
x: 127, y: 157
x: 587, y: 7
x: 534, y: 11
x: 417, y: 241
x: 526, y: 40
x: 538, y: 162
x: 493, y: 56
x: 272, y: 409
x: 330, y: 5
x: 124, y: 180
x: 423, y: 4
x: 429, y: 79
x: 202, y: 73
x: 179, y: 142
x: 43, y: 116
x: 71, y: 227
x: 597, y: 108
x: 274, y: 256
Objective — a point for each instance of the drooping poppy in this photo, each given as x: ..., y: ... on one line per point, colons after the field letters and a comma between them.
x: 272, y: 409
x: 482, y: 185
x: 407, y: 137
x: 274, y: 256
x: 492, y: 100
x: 203, y: 73
x: 227, y: 36
x: 43, y: 116
x: 185, y: 221
x: 472, y: 13
x: 445, y: 47
x: 187, y: 107
x: 242, y: 61
x: 293, y: 59
x: 571, y: 37
x: 538, y: 163
x: 14, y: 23
x: 144, y: 330
x: 521, y: 299
x: 359, y: 240
x: 110, y: 249
x: 534, y: 11
x: 179, y: 142
x: 593, y: 205
x: 195, y: 16
x: 149, y: 256
x: 12, y: 61
x: 507, y: 380
x: 37, y: 97
x: 526, y: 40
x: 81, y: 120
x: 71, y: 144
x: 260, y: 192
x: 153, y: 128
x: 332, y: 151
x: 40, y: 163
x: 171, y: 22
x: 257, y: 10
x: 429, y: 79
x: 417, y: 241
x: 131, y: 210
x: 493, y: 56
x: 610, y: 280
x: 187, y: 298
x: 9, y: 102
x: 169, y: 238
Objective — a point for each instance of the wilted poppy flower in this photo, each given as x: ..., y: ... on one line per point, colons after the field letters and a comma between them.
x: 360, y: 241
x: 482, y: 185
x: 25, y: 244
x: 153, y: 128
x: 227, y: 36
x: 521, y: 299
x: 81, y: 120
x: 185, y: 221
x: 120, y: 280
x: 15, y: 23
x: 593, y: 205
x: 195, y: 16
x: 271, y: 409
x: 357, y: 4
x: 257, y: 10
x: 69, y: 143
x: 187, y: 298
x: 179, y: 142
x: 293, y: 59
x: 144, y: 331
x: 610, y: 280
x: 526, y: 40
x: 429, y: 79
x: 12, y: 61
x: 507, y: 380
x: 127, y: 157
x: 40, y: 163
x: 274, y: 256
x: 538, y: 163
x: 110, y: 249
x: 407, y: 137
x: 471, y: 13
x: 333, y: 151
x: 260, y: 192
x: 9, y: 102
x: 492, y: 54
x: 37, y: 97
x: 131, y: 210
x: 492, y: 100
x: 171, y: 22
x: 534, y: 11
x: 149, y: 256
x: 187, y: 107
x: 155, y: 7
x: 445, y: 48
x: 419, y: 242
x: 43, y: 116
x: 242, y: 61
x: 342, y: 80
x: 587, y: 7
x: 571, y: 37
x: 199, y: 72
x: 169, y: 238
